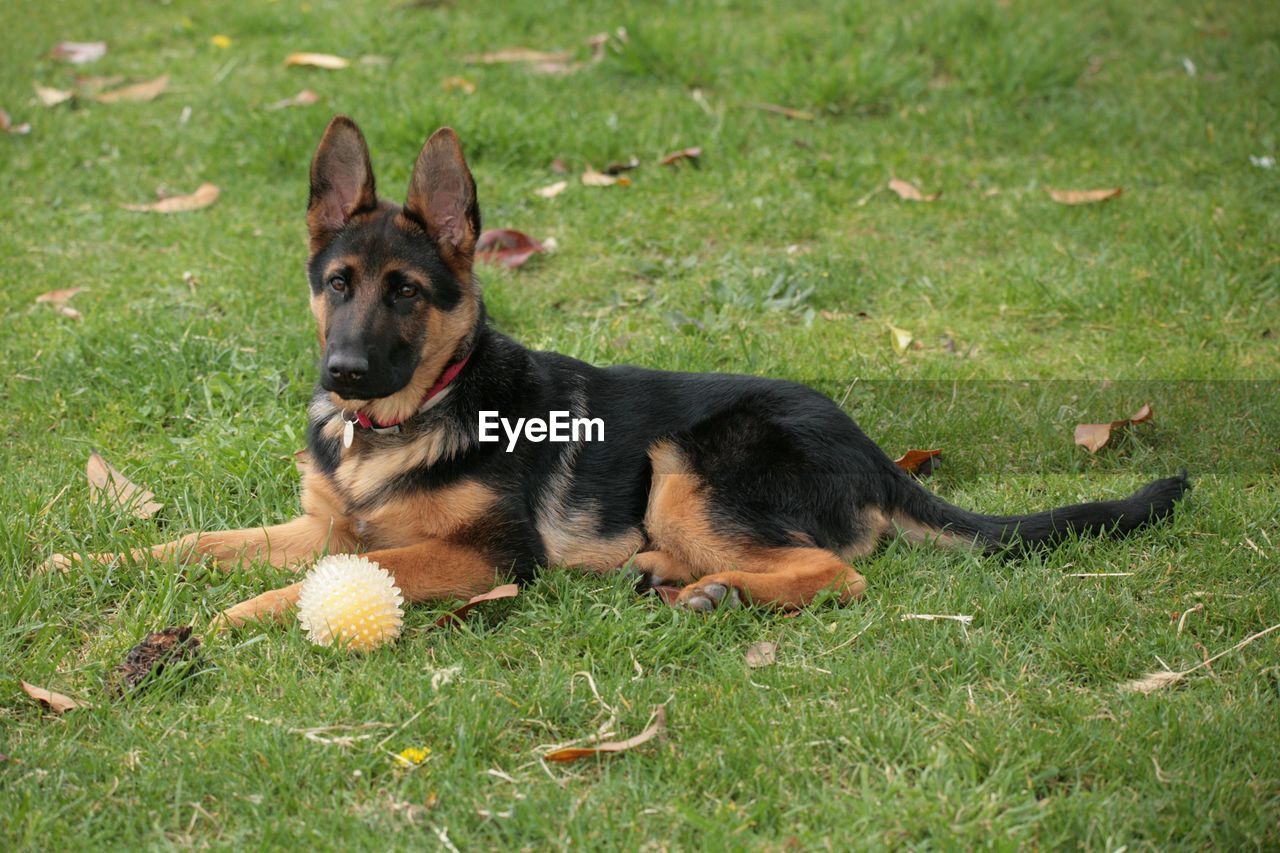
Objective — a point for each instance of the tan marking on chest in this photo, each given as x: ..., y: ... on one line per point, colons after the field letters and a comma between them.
x: 418, y: 516
x: 365, y: 471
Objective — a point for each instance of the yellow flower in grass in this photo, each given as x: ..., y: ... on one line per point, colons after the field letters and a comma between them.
x: 414, y: 755
x: 220, y: 41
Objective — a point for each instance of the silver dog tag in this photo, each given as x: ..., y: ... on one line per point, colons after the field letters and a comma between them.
x: 348, y: 432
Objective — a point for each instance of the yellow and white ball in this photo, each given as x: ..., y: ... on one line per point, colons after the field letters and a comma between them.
x: 350, y: 600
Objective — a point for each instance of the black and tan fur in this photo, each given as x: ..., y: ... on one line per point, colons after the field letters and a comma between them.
x: 735, y: 487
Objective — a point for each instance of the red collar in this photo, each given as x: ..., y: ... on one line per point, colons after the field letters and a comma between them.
x: 450, y: 373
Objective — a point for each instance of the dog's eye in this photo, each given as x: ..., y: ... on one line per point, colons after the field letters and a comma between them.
x: 338, y: 283
x: 406, y: 291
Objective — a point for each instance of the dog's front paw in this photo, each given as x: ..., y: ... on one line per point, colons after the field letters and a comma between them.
x: 707, y: 595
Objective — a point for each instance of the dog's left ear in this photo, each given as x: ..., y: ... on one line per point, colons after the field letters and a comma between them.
x: 442, y: 196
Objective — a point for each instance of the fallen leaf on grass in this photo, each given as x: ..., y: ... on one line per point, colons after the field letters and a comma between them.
x: 305, y: 98
x: 619, y: 168
x: 1092, y: 437
x: 592, y: 178
x: 509, y: 590
x: 59, y: 299
x: 51, y: 97
x: 798, y: 115
x: 919, y: 462
x: 900, y: 338
x: 1153, y: 681
x: 910, y: 192
x: 668, y: 594
x: 573, y: 753
x: 104, y: 479
x: 55, y: 702
x: 327, y: 61
x: 458, y: 84
x: 507, y: 247
x: 552, y: 190
x: 517, y: 54
x: 762, y: 654
x: 7, y: 125
x: 79, y: 52
x: 936, y: 617
x: 204, y: 196
x: 1074, y: 197
x: 691, y: 154
x: 148, y: 90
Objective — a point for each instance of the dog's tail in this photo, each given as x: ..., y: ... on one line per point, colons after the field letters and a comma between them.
x: 924, y: 516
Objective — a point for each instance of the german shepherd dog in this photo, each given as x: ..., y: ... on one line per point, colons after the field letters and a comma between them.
x: 736, y: 488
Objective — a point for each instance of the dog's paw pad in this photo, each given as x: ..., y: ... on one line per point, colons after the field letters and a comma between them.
x: 707, y: 597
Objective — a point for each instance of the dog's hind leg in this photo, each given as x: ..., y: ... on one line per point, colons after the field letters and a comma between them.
x: 785, y: 578
x: 725, y: 566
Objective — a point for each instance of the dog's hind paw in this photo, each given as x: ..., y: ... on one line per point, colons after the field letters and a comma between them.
x: 707, y: 596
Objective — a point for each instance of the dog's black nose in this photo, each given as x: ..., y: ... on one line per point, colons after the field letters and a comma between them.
x: 347, y: 366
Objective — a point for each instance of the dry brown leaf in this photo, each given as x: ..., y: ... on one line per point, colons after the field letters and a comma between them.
x: 1092, y: 437
x: 1083, y: 196
x: 509, y: 590
x: 327, y: 61
x: 305, y: 98
x: 762, y: 654
x: 552, y: 190
x: 51, y: 97
x: 140, y: 93
x: 517, y: 54
x: 691, y: 154
x: 668, y: 594
x: 59, y: 297
x: 458, y: 84
x: 592, y: 178
x: 909, y: 192
x: 507, y: 247
x: 79, y: 52
x: 55, y: 702
x: 573, y: 753
x: 7, y: 125
x: 106, y: 480
x: 919, y: 462
x: 205, y: 195
x: 619, y: 168
x: 798, y: 115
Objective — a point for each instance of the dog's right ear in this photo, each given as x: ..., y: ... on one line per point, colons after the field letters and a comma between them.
x: 341, y: 181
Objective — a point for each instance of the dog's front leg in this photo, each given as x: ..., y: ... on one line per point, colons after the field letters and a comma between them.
x: 427, y: 571
x: 291, y: 545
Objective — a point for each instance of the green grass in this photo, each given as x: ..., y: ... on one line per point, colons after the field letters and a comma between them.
x: 870, y: 730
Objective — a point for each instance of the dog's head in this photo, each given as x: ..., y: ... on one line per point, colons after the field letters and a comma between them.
x: 391, y: 286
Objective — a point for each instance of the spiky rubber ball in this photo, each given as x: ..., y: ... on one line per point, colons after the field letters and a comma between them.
x: 350, y: 600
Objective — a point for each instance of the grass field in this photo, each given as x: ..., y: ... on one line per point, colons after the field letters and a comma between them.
x: 782, y: 253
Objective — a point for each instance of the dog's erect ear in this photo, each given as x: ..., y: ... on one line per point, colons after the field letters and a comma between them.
x: 442, y: 196
x: 341, y: 181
